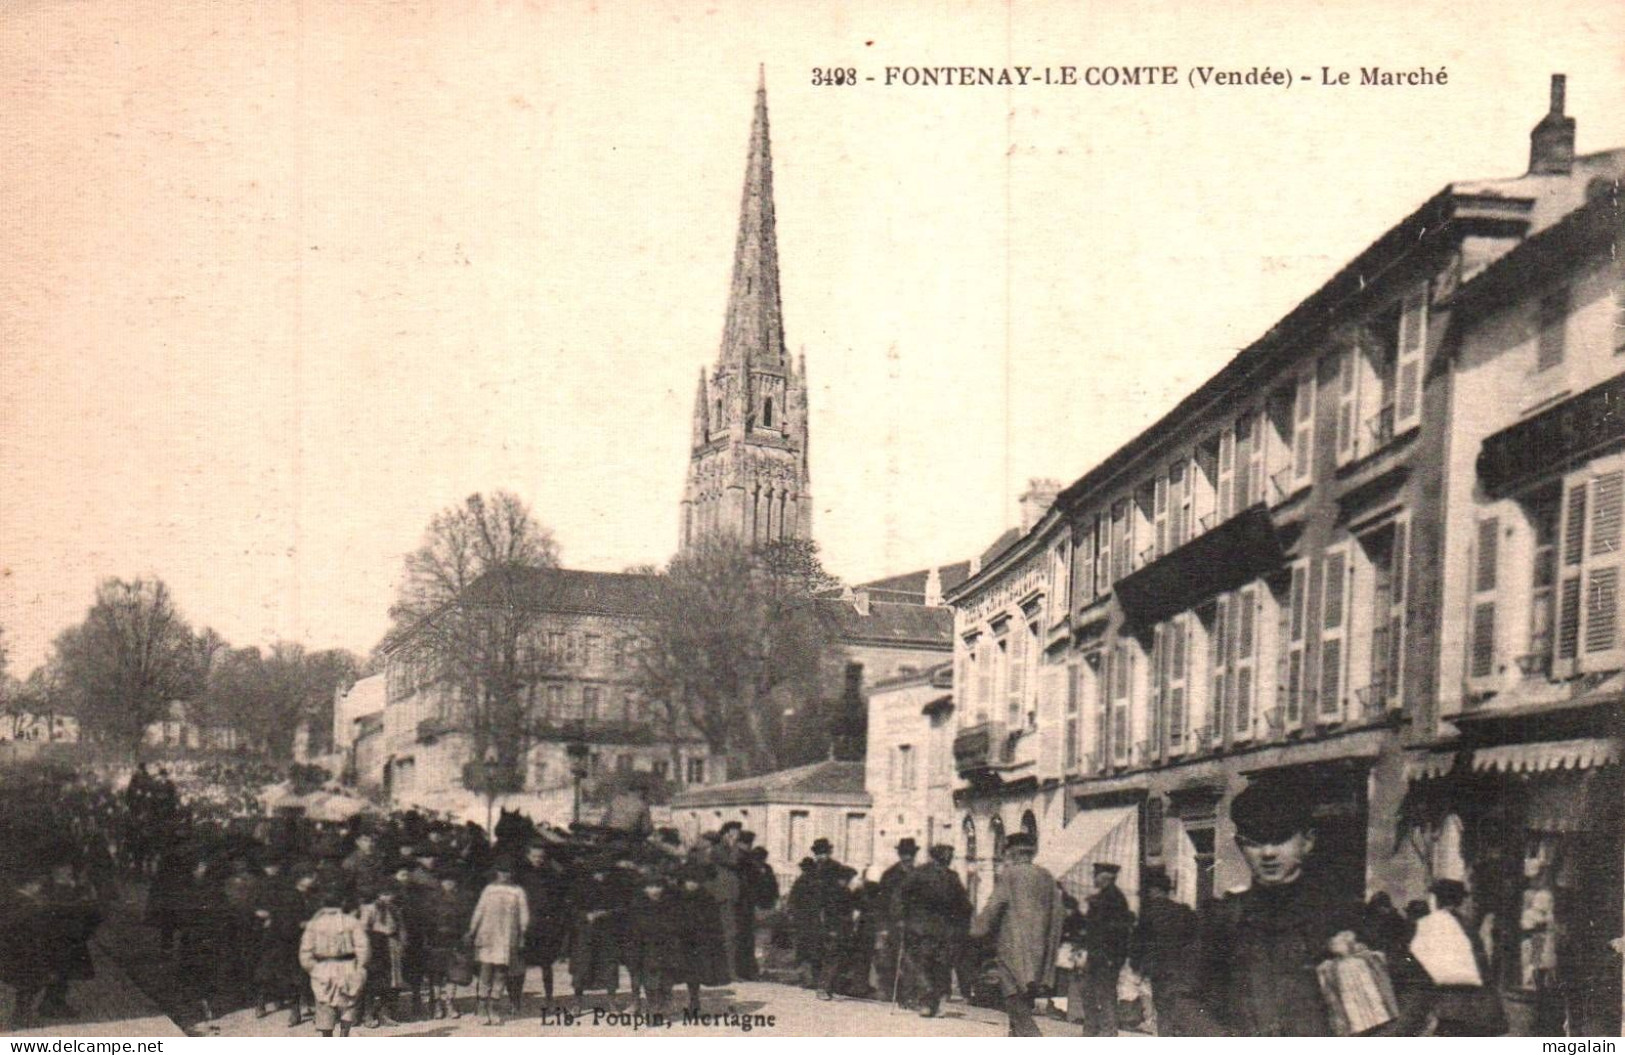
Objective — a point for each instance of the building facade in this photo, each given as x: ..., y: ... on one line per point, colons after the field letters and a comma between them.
x: 748, y: 474
x: 1260, y: 582
x: 908, y: 761
x: 788, y: 810
x: 1520, y: 790
x: 579, y: 693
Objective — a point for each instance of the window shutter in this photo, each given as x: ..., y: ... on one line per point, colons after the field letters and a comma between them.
x: 1159, y: 656
x: 1413, y: 323
x: 1178, y: 504
x: 1018, y: 670
x: 1244, y: 462
x: 1396, y: 613
x: 1160, y: 515
x: 1083, y: 570
x: 1303, y: 431
x: 1176, y: 645
x: 1051, y: 729
x: 1246, y: 617
x: 1295, y: 620
x: 1218, y: 653
x: 1489, y: 537
x: 1602, y: 564
x: 1483, y: 647
x: 1348, y: 374
x: 1334, y: 608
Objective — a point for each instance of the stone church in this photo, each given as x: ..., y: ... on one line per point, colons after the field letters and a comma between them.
x: 747, y: 475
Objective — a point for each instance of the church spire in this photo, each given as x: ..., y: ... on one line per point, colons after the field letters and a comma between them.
x: 753, y: 335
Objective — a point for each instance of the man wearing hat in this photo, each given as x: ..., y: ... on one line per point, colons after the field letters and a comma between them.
x: 1261, y: 946
x: 933, y: 910
x: 1161, y: 950
x: 889, y: 956
x: 1108, y: 927
x: 1022, y: 921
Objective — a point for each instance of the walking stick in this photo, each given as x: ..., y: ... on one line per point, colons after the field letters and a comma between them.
x: 897, y: 966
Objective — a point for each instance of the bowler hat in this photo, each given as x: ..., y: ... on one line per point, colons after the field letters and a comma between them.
x: 907, y: 845
x: 1020, y: 841
x: 1273, y: 810
x: 822, y: 845
x: 942, y: 853
x: 1107, y: 868
x: 1156, y: 878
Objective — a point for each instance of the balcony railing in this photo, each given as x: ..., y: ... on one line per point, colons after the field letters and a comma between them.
x: 1208, y: 521
x: 1281, y: 483
x: 1275, y: 720
x: 1147, y: 555
x: 981, y: 747
x: 1204, y: 739
x: 1091, y: 763
x: 1380, y: 426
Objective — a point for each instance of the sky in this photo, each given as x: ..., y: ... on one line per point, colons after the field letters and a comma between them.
x: 280, y: 280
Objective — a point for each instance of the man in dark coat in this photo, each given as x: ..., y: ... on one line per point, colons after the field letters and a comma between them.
x: 934, y: 912
x: 281, y: 911
x: 1108, y: 927
x: 1161, y: 950
x: 801, y: 908
x: 889, y: 952
x: 599, y: 899
x: 547, y: 890
x: 1022, y: 921
x: 1260, y: 947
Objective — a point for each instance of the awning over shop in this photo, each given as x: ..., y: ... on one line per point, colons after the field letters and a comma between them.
x: 1548, y: 755
x: 1102, y: 835
x: 1428, y: 767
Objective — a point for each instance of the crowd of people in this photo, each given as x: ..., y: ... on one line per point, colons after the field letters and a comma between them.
x: 385, y: 917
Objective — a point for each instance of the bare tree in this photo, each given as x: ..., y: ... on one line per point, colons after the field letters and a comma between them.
x: 466, y: 618
x: 735, y: 635
x: 265, y: 695
x: 131, y: 656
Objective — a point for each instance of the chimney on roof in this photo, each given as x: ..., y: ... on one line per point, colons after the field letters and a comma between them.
x: 1551, y: 142
x: 860, y: 600
x: 933, y: 587
x: 1036, y: 502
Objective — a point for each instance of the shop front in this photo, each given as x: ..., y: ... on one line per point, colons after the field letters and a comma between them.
x: 1533, y: 825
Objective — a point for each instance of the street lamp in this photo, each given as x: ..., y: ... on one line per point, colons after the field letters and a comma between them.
x: 578, y: 753
x: 490, y: 765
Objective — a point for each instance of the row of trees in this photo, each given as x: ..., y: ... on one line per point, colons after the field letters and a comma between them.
x: 733, y: 647
x: 119, y: 671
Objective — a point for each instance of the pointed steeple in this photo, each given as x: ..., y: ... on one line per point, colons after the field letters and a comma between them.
x: 753, y: 335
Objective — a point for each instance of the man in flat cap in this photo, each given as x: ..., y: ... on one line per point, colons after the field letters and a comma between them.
x: 1022, y: 921
x: 1260, y: 946
x: 1161, y: 950
x: 889, y: 955
x: 1108, y: 927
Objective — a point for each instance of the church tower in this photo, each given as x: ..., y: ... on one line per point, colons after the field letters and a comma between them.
x: 747, y: 473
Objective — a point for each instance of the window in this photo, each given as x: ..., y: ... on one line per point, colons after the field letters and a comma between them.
x: 617, y: 653
x: 1250, y: 465
x: 1103, y: 706
x: 1334, y: 620
x: 1294, y: 625
x: 905, y: 767
x: 1179, y: 503
x: 555, y: 701
x: 1244, y: 613
x: 1552, y: 320
x: 1122, y: 541
x: 589, y: 649
x: 572, y: 647
x: 1083, y: 565
x: 1347, y: 368
x: 1385, y: 550
x: 1544, y: 509
x: 623, y: 764
x: 696, y: 771
x: 1176, y: 673
x: 996, y: 829
x: 589, y: 702
x: 1159, y: 515
x: 1218, y: 654
x: 661, y: 768
x: 969, y: 828
x: 767, y: 412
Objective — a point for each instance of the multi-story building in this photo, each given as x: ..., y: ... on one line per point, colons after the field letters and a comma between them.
x: 579, y: 693
x: 1251, y: 585
x: 1521, y: 792
x: 908, y: 761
